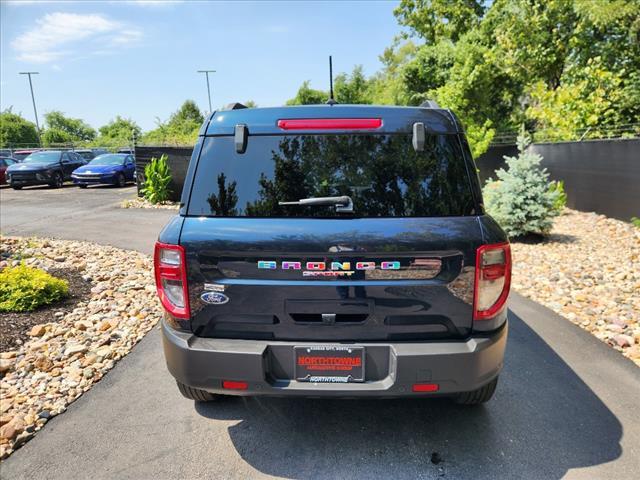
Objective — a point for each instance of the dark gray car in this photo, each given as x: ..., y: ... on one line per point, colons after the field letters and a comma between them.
x: 338, y: 251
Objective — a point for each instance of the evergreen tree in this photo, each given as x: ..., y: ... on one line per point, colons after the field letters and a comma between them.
x: 522, y: 200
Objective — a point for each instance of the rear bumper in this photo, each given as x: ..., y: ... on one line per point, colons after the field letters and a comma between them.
x: 391, y: 369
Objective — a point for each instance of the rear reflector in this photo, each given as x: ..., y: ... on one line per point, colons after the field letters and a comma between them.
x: 171, y: 279
x: 330, y: 123
x: 426, y: 387
x: 229, y: 385
x: 493, y: 280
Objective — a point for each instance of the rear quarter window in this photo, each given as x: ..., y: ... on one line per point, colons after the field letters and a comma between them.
x: 383, y: 175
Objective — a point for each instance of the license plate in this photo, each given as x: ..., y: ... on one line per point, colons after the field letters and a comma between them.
x: 329, y: 364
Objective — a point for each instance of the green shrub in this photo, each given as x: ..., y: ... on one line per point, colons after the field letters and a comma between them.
x: 521, y: 199
x: 557, y: 188
x: 156, y: 180
x: 635, y: 221
x: 23, y: 289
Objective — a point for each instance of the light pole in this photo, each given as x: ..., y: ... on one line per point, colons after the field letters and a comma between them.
x: 207, y: 72
x: 33, y: 99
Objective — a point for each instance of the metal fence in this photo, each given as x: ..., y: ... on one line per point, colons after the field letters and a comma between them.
x: 600, y: 176
x: 595, y: 132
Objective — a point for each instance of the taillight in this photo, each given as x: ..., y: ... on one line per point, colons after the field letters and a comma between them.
x: 493, y: 280
x: 171, y: 279
x: 330, y: 123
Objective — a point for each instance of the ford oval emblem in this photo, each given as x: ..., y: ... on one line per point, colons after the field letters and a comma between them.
x: 214, y: 298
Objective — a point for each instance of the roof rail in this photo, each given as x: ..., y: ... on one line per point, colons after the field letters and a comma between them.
x: 429, y: 104
x: 235, y: 106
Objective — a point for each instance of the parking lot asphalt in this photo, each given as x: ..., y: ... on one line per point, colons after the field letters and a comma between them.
x: 566, y: 405
x: 92, y: 214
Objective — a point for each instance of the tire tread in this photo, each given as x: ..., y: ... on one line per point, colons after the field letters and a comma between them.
x: 195, y: 393
x: 479, y: 396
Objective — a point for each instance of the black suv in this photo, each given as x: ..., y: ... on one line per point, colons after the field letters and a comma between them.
x: 47, y: 167
x: 337, y: 251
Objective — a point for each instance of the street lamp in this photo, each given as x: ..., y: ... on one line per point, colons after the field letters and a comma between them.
x: 33, y: 99
x: 207, y: 72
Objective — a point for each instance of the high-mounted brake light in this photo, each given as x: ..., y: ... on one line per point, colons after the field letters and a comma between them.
x: 493, y: 280
x: 171, y: 279
x: 330, y: 123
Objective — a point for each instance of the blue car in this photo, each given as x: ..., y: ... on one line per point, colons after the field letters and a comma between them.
x: 111, y: 168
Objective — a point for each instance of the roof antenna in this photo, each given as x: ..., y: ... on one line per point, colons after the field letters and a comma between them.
x: 331, y: 100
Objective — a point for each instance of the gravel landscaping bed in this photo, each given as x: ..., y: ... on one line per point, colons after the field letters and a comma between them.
x: 78, y: 343
x: 588, y: 271
x: 14, y: 327
x: 139, y: 202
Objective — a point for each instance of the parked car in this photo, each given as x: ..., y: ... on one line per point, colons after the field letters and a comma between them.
x: 90, y: 153
x: 333, y: 251
x: 4, y: 163
x: 111, y: 168
x: 47, y: 167
x: 20, y: 155
x: 128, y: 150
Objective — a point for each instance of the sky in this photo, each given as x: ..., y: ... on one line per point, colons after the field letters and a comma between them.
x: 138, y: 59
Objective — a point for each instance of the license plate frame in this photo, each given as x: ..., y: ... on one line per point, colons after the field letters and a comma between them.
x: 329, y: 363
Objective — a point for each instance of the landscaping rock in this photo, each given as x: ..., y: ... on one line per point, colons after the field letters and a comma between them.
x: 65, y: 357
x: 37, y: 331
x: 588, y: 271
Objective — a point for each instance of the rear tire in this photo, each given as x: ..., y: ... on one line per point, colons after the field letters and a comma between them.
x: 196, y: 394
x: 82, y: 186
x: 17, y: 188
x: 479, y: 396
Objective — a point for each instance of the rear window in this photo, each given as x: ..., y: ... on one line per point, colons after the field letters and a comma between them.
x: 382, y: 174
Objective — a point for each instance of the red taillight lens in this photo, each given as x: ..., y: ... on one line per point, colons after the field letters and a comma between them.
x: 230, y: 385
x: 171, y: 279
x: 330, y: 123
x: 493, y: 280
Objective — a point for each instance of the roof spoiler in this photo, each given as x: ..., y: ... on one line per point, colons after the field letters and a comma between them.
x: 429, y: 104
x: 235, y: 106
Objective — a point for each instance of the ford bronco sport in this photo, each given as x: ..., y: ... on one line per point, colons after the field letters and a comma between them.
x: 333, y: 251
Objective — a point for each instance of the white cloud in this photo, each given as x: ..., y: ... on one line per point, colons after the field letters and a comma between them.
x: 56, y: 34
x: 151, y: 3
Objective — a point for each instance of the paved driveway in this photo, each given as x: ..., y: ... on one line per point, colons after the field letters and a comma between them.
x: 92, y: 214
x: 566, y: 405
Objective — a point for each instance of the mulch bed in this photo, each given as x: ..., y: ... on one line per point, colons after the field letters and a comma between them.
x: 15, y: 326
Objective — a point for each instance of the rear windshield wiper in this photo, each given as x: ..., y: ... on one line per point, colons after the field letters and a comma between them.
x: 343, y: 203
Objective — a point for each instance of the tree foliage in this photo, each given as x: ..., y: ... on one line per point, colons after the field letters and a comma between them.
x: 435, y: 20
x: 118, y: 132
x: 558, y: 66
x: 65, y: 129
x: 15, y: 131
x: 308, y: 96
x: 181, y: 128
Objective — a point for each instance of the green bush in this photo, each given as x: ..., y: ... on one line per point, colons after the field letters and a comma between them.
x: 521, y: 199
x: 23, y: 289
x: 557, y: 188
x: 635, y: 221
x: 156, y: 180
